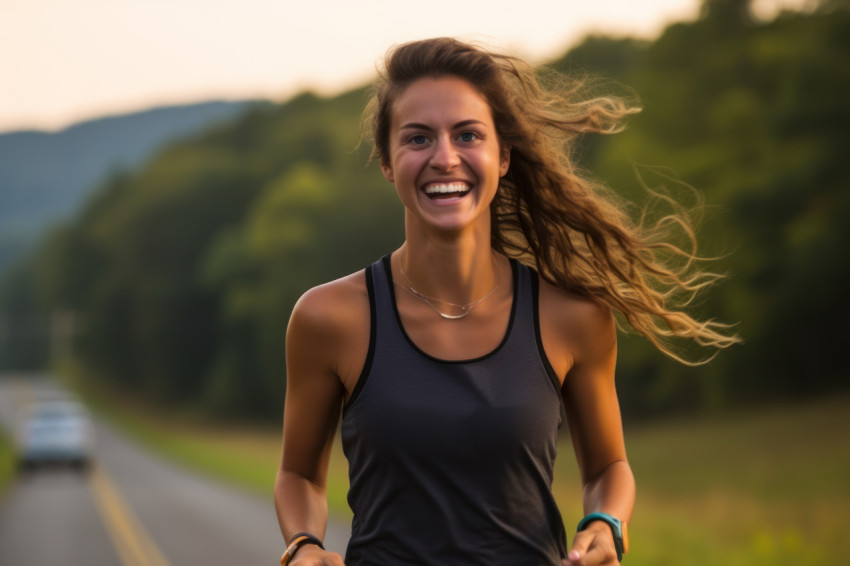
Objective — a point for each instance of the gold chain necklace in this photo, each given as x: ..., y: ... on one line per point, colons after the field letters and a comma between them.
x: 465, y: 309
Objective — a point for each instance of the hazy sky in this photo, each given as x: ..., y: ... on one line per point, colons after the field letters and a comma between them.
x: 63, y: 61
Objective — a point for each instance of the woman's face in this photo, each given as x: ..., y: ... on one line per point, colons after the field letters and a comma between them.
x: 444, y: 155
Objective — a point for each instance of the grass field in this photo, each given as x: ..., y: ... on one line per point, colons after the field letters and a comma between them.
x: 767, y: 487
x: 7, y: 461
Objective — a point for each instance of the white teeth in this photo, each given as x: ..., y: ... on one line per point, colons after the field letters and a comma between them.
x: 446, y: 188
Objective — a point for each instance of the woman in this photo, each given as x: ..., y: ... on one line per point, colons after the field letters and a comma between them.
x: 452, y: 362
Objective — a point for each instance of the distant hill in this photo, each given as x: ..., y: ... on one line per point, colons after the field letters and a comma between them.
x: 46, y: 176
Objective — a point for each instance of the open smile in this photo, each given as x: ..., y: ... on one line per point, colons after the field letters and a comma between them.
x: 446, y: 191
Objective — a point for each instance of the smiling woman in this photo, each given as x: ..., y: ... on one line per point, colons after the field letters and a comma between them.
x: 444, y: 158
x: 452, y: 392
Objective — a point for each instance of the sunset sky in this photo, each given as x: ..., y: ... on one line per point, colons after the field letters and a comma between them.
x: 63, y: 61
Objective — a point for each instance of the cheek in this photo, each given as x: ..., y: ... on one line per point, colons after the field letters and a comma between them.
x: 408, y: 166
x: 493, y: 164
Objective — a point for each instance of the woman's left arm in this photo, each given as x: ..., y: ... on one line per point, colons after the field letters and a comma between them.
x: 588, y: 343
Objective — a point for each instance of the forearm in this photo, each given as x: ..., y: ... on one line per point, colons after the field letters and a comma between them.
x: 611, y: 491
x: 301, y: 505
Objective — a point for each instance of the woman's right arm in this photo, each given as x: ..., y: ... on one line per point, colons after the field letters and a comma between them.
x: 314, y: 395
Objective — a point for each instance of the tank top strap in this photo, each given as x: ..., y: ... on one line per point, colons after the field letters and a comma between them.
x: 384, y: 292
x: 386, y: 315
x: 525, y: 329
x: 384, y: 333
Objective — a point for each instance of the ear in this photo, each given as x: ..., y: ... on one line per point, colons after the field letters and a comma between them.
x: 504, y: 160
x: 387, y: 171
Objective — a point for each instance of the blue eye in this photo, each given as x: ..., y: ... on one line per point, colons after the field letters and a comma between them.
x: 418, y: 139
x: 468, y: 136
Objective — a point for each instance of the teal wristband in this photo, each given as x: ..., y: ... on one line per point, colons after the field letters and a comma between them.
x: 617, y: 529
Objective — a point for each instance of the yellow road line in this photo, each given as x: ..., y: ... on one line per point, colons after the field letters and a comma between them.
x: 134, y: 545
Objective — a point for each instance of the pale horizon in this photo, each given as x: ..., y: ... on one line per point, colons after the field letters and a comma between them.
x: 63, y: 63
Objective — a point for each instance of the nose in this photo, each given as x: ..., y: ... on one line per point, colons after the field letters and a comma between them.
x: 445, y: 156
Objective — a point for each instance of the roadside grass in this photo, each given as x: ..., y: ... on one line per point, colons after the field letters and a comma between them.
x: 765, y: 487
x: 769, y: 486
x: 7, y: 461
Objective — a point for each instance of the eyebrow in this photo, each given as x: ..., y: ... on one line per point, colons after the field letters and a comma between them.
x: 418, y: 126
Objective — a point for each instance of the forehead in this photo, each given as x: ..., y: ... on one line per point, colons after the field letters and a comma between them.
x: 435, y: 101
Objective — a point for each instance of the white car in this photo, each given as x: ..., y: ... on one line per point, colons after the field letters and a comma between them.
x: 58, y: 431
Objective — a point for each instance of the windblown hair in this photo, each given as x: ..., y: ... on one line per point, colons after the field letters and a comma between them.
x: 546, y: 213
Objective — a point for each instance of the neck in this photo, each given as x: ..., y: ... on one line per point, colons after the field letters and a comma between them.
x: 457, y: 268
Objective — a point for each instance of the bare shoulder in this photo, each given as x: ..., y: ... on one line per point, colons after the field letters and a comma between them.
x: 332, y: 307
x: 581, y: 326
x: 328, y: 331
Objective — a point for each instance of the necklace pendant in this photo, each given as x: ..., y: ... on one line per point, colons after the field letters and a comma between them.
x: 465, y: 312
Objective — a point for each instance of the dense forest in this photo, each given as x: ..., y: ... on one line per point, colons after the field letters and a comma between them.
x: 175, y: 281
x: 44, y: 176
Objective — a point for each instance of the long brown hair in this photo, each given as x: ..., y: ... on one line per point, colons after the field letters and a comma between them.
x: 546, y: 213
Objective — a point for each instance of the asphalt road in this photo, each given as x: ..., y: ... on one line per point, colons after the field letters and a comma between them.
x: 132, y: 509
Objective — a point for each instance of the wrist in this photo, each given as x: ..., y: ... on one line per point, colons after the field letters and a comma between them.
x: 298, y: 541
x: 307, y: 554
x: 618, y: 529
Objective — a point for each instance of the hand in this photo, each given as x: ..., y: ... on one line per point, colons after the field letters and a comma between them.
x: 594, y: 546
x: 312, y: 555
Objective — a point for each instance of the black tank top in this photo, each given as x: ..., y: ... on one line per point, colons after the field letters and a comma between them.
x: 451, y: 462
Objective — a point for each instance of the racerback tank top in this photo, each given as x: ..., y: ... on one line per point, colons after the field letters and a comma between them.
x: 451, y: 462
